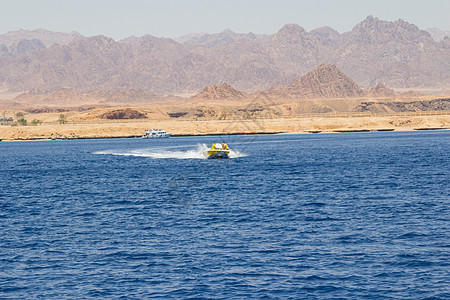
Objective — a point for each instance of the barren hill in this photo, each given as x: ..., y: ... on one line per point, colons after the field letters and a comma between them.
x: 326, y: 81
x: 220, y: 92
x: 380, y: 90
x: 127, y: 113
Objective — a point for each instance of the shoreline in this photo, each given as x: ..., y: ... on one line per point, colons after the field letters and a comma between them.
x: 99, y: 137
x: 223, y: 134
x: 186, y: 128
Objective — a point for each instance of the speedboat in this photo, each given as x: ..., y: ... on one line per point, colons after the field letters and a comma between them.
x: 155, y: 133
x: 216, y: 153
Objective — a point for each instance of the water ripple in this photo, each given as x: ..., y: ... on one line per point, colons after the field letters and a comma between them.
x: 357, y: 216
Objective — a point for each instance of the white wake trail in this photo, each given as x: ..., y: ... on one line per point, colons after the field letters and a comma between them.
x: 161, y: 153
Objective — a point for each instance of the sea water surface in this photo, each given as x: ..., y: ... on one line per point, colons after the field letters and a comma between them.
x: 357, y: 215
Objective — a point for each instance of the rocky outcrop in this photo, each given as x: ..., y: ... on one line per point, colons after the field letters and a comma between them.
x: 414, y: 106
x: 127, y: 113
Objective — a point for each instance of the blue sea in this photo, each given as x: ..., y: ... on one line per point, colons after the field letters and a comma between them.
x: 319, y: 216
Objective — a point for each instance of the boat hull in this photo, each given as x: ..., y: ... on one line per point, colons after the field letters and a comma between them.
x: 217, y: 154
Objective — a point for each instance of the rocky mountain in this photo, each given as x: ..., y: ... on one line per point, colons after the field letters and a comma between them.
x: 325, y: 34
x: 27, y: 46
x: 15, y: 43
x: 220, y: 92
x: 48, y: 38
x: 397, y: 53
x: 326, y: 81
x: 438, y: 34
x: 225, y: 37
x: 445, y: 43
x: 219, y: 39
x: 380, y: 90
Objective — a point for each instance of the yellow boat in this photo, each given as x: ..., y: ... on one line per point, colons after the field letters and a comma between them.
x: 216, y: 153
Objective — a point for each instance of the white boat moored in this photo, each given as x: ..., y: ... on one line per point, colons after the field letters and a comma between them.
x: 155, y: 133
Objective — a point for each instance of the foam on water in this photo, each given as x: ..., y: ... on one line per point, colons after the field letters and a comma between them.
x: 167, y: 152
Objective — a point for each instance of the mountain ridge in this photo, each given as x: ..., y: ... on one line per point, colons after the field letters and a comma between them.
x: 398, y: 54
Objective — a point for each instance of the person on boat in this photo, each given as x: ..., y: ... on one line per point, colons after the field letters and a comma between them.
x: 225, y: 146
x: 214, y: 146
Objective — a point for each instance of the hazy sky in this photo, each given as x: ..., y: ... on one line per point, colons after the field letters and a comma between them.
x: 172, y: 18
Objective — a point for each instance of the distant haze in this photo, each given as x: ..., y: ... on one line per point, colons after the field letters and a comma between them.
x: 120, y: 19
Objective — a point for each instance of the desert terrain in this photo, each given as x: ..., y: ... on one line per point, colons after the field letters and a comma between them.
x: 256, y: 114
x: 294, y: 125
x: 323, y: 100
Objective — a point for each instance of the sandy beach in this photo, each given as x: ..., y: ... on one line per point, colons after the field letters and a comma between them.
x: 292, y: 125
